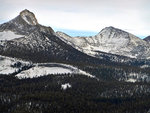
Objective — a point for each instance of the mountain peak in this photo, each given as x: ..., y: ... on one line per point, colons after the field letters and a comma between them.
x: 110, y: 28
x: 28, y: 17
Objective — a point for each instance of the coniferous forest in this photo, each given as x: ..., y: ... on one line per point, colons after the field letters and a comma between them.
x: 86, y: 95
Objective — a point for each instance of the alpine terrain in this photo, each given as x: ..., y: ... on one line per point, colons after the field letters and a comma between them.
x: 111, y: 40
x: 43, y: 71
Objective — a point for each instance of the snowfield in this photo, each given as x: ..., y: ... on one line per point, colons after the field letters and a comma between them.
x: 9, y: 35
x: 50, y: 68
x: 11, y: 65
x: 41, y: 71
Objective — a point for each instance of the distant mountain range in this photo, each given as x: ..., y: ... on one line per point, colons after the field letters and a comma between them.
x: 25, y: 30
x: 43, y: 71
x: 24, y: 38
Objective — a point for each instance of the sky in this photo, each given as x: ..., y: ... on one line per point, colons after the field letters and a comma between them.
x: 84, y: 17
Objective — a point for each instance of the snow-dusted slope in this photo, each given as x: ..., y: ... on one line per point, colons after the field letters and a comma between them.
x: 134, y: 77
x: 38, y: 41
x: 9, y: 35
x: 24, y: 69
x: 110, y: 40
x: 50, y: 68
x: 10, y: 65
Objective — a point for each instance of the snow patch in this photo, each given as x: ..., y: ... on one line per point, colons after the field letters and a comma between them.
x: 9, y: 35
x: 144, y: 66
x: 65, y: 86
x: 7, y: 65
x: 137, y: 77
x: 131, y: 80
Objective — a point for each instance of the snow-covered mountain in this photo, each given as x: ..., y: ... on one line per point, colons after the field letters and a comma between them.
x: 23, y: 37
x: 110, y: 40
x: 37, y: 63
